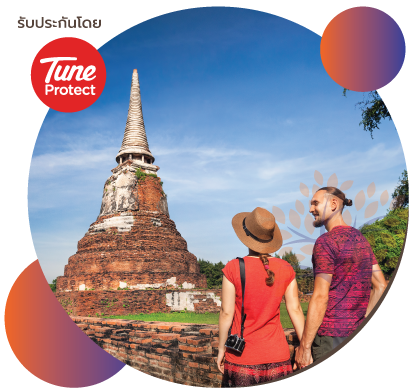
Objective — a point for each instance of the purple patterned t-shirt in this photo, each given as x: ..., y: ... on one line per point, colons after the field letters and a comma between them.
x: 346, y: 254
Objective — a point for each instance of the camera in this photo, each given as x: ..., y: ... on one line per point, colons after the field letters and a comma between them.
x: 235, y: 343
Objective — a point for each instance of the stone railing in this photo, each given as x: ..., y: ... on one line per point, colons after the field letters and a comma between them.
x: 177, y: 352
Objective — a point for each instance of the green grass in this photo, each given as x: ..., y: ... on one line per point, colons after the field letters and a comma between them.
x: 196, y: 318
x: 188, y: 317
x: 284, y: 316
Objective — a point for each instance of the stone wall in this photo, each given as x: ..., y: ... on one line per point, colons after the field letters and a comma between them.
x: 122, y: 302
x: 181, y: 353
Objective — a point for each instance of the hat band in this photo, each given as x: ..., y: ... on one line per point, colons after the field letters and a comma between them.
x: 248, y: 233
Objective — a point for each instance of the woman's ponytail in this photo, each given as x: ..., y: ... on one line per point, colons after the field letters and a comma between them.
x: 271, y: 275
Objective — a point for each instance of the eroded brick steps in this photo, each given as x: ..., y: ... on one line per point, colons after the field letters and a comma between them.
x: 176, y: 352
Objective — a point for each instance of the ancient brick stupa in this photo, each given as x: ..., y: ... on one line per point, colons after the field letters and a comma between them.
x: 133, y: 243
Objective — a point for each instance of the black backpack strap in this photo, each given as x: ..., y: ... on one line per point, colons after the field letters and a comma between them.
x: 243, y: 281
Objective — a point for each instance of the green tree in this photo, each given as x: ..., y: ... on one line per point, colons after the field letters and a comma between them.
x: 310, y: 280
x: 292, y: 260
x: 373, y: 111
x: 386, y: 237
x: 401, y: 192
x: 212, y: 271
x: 304, y: 277
x: 53, y: 285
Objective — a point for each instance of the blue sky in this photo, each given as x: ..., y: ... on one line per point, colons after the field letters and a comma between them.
x: 238, y: 111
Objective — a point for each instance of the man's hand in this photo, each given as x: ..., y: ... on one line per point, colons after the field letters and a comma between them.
x: 315, y: 314
x: 303, y: 357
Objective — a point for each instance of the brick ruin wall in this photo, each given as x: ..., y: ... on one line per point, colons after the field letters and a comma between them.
x: 176, y: 352
x: 133, y: 243
x: 123, y: 302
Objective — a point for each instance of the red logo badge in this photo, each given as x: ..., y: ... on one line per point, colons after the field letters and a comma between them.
x: 68, y: 74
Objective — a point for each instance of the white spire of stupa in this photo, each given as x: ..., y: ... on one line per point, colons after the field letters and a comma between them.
x: 135, y: 141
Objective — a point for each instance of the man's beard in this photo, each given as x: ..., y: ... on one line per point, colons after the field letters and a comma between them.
x: 318, y: 222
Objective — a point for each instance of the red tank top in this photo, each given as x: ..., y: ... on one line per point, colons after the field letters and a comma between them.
x: 264, y: 335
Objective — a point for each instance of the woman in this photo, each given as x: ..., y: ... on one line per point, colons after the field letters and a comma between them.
x: 266, y: 354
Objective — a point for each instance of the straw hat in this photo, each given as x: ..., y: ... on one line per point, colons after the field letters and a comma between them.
x: 258, y: 230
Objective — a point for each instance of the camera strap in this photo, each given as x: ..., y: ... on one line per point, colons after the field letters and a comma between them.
x: 243, y: 280
x: 243, y: 315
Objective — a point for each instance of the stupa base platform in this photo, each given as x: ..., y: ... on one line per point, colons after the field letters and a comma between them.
x: 122, y: 302
x: 130, y: 280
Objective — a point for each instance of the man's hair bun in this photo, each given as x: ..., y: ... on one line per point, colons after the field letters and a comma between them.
x: 347, y: 202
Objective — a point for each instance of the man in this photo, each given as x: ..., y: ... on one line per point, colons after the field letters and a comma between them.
x: 345, y: 268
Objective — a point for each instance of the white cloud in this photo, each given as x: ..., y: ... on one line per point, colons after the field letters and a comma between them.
x: 54, y: 163
x: 350, y: 165
x: 280, y: 198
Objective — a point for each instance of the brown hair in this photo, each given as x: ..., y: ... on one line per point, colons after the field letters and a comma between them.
x: 339, y: 194
x: 271, y: 275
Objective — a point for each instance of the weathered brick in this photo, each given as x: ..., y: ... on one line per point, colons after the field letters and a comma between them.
x: 140, y: 341
x: 150, y: 356
x: 119, y: 337
x: 192, y: 349
x: 163, y: 344
x: 138, y: 353
x: 209, y: 331
x: 99, y: 328
x: 141, y: 359
x: 178, y: 329
x: 165, y: 327
x: 120, y: 331
x: 82, y: 326
x: 197, y: 340
x: 154, y: 369
x: 166, y: 372
x: 122, y: 355
x: 166, y: 336
x: 165, y: 365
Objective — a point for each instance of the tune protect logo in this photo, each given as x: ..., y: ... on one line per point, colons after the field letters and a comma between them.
x: 68, y: 74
